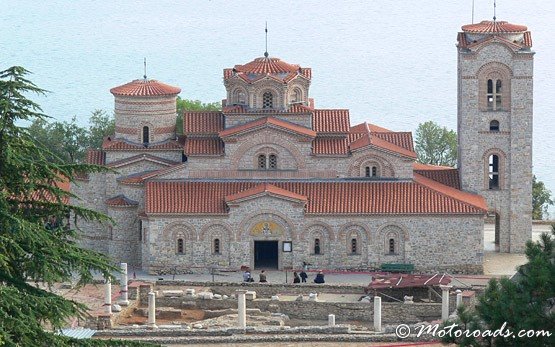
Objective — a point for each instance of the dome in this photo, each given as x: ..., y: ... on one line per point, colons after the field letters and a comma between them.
x: 488, y: 26
x: 144, y: 87
x: 267, y: 65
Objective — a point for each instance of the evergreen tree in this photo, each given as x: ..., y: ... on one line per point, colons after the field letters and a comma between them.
x: 37, y: 244
x: 436, y: 145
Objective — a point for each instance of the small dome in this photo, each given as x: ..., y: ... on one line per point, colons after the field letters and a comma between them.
x: 145, y: 87
x: 266, y: 65
x: 488, y: 26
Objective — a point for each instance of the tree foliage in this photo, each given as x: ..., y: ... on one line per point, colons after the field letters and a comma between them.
x: 68, y: 140
x: 526, y: 302
x: 436, y: 145
x: 192, y: 105
x: 37, y: 244
x: 541, y: 199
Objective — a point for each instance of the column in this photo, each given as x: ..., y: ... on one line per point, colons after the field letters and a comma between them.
x: 108, y: 297
x: 331, y: 320
x: 377, y: 314
x: 459, y: 298
x: 241, y: 308
x: 444, y: 302
x: 151, y: 323
x: 124, y: 300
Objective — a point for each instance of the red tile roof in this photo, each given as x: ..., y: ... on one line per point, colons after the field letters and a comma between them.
x: 365, y: 134
x: 204, y: 146
x: 268, y: 121
x: 141, y: 177
x: 121, y: 201
x: 488, y: 26
x: 140, y: 157
x: 112, y: 144
x: 331, y: 121
x: 267, y: 67
x: 419, y: 197
x: 201, y: 122
x: 145, y: 87
x: 263, y: 189
x: 96, y: 156
x: 330, y: 146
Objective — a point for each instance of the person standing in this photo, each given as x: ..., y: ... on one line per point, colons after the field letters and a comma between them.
x: 263, y: 277
x: 303, y: 276
x: 296, y: 278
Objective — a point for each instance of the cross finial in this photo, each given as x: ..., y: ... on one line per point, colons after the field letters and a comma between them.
x: 266, y: 30
x: 144, y: 76
x: 494, y: 10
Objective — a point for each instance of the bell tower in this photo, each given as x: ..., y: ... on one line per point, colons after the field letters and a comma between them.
x: 494, y: 124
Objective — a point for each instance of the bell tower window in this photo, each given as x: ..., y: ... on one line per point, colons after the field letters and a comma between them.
x: 493, y: 174
x: 494, y: 126
x: 267, y: 100
x: 146, y: 134
x: 494, y: 94
x: 272, y: 162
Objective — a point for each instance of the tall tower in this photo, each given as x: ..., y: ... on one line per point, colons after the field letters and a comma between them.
x: 495, y: 94
x: 145, y: 111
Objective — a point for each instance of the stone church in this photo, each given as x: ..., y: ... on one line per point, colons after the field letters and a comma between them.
x: 272, y: 181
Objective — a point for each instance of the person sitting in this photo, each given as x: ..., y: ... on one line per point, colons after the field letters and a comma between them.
x: 247, y: 276
x: 296, y: 278
x: 319, y: 278
x: 263, y: 277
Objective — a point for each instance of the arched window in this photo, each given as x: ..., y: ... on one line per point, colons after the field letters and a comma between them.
x: 272, y: 162
x: 391, y: 246
x: 239, y: 97
x: 367, y: 171
x: 216, y: 246
x: 493, y: 172
x: 267, y: 100
x: 296, y: 96
x: 316, y: 246
x: 353, y: 246
x: 494, y: 94
x: 374, y: 171
x: 180, y: 246
x: 146, y: 137
x: 262, y: 161
x: 494, y: 125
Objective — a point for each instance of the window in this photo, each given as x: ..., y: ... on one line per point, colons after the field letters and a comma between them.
x: 494, y: 125
x: 267, y: 100
x: 140, y: 230
x: 353, y: 246
x: 494, y: 93
x: 391, y: 246
x: 216, y: 246
x: 262, y: 161
x: 374, y: 171
x: 316, y: 246
x: 239, y: 97
x: 272, y: 161
x: 180, y: 246
x: 111, y: 232
x: 145, y: 134
x: 493, y: 174
x: 367, y: 171
x: 297, y: 96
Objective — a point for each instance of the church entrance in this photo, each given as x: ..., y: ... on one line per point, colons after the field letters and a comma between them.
x: 266, y: 254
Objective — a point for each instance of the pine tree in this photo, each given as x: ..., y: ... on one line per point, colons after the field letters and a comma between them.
x: 37, y: 242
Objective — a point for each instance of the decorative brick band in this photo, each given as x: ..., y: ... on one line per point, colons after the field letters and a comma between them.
x: 129, y: 131
x: 164, y: 130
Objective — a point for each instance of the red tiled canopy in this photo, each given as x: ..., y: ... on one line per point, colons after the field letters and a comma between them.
x: 361, y: 197
x: 145, y: 87
x: 266, y: 65
x: 488, y: 26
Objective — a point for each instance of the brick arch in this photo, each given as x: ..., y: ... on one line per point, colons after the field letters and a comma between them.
x: 264, y: 85
x: 321, y: 227
x: 249, y: 144
x: 363, y: 239
x: 150, y: 131
x: 210, y: 230
x: 401, y: 237
x: 249, y: 221
x: 172, y: 229
x: 495, y: 71
x: 321, y: 231
x: 356, y: 168
x: 502, y: 166
x: 235, y: 89
x: 291, y: 91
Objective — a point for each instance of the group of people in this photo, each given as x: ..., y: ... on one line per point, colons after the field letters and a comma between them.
x: 297, y: 277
